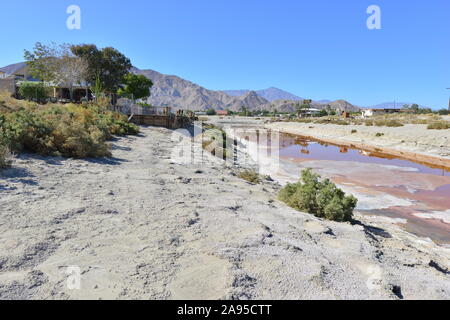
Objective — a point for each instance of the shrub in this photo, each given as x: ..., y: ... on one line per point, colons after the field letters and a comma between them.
x: 354, y: 131
x: 379, y: 134
x: 63, y: 130
x: 34, y: 91
x: 211, y: 112
x: 250, y: 176
x: 319, y: 197
x: 439, y: 125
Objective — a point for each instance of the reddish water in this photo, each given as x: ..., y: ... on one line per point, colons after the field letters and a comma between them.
x: 316, y: 151
x: 422, y: 189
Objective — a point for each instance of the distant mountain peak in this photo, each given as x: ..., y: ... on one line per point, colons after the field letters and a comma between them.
x: 173, y: 91
x: 270, y: 94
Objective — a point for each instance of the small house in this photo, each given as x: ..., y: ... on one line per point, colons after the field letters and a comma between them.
x: 12, y: 76
x: 308, y: 112
x: 222, y: 112
x: 381, y: 111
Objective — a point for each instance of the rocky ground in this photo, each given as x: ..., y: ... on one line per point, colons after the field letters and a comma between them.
x: 142, y: 225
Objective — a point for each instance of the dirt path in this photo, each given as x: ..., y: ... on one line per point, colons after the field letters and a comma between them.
x: 140, y: 226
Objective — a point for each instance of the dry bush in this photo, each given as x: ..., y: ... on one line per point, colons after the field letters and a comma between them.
x: 250, y: 176
x: 9, y: 104
x: 63, y: 130
x: 439, y: 125
x: 388, y: 123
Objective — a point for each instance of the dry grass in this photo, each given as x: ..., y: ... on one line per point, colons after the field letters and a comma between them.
x: 439, y: 125
x: 9, y: 104
x: 388, y: 123
x: 250, y: 176
x: 389, y: 120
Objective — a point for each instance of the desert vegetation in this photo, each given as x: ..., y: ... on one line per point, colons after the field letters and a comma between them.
x: 434, y: 121
x: 321, y: 198
x: 250, y: 176
x: 69, y: 130
x: 439, y: 125
x: 35, y: 124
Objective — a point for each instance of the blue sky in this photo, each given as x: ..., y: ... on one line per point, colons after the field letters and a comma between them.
x: 318, y: 49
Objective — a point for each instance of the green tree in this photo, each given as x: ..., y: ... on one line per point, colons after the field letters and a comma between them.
x: 323, y: 113
x: 211, y: 112
x: 135, y: 86
x: 415, y: 107
x: 244, y: 111
x: 40, y: 61
x: 108, y: 65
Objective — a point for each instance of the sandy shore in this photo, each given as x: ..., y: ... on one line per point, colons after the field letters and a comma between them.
x: 142, y: 226
x: 413, y: 142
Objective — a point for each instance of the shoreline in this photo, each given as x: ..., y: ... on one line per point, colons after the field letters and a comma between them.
x: 391, y: 146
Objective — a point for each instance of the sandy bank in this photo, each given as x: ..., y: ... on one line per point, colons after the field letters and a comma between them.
x: 143, y: 226
x: 412, y: 142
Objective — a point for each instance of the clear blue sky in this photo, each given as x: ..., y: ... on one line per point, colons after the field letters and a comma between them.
x: 317, y: 49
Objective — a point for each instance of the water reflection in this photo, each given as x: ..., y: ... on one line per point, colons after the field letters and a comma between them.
x: 386, y: 185
x: 302, y: 148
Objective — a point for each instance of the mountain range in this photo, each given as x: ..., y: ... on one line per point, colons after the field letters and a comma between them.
x: 270, y: 94
x: 393, y: 105
x: 178, y: 93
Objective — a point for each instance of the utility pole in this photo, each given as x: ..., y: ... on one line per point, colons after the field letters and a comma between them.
x: 448, y: 101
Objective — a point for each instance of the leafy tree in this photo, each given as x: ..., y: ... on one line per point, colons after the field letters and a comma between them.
x: 415, y: 108
x: 40, y: 61
x: 323, y: 113
x: 211, y: 112
x: 244, y: 111
x: 135, y: 86
x: 107, y: 64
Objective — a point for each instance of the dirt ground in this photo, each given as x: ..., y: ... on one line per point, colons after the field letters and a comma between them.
x: 141, y: 225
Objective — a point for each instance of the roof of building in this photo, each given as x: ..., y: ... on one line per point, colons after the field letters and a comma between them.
x: 13, y: 68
